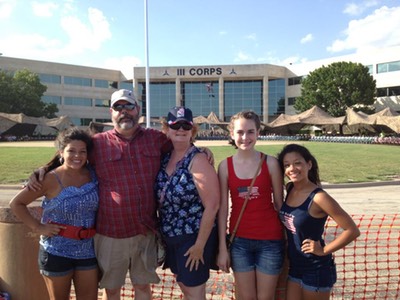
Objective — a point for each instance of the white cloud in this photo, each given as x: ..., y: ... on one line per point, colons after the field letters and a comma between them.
x: 378, y: 30
x: 77, y: 38
x: 242, y: 57
x: 125, y: 64
x: 44, y: 9
x: 308, y: 38
x: 357, y: 9
x: 223, y: 32
x: 251, y: 36
x: 86, y: 36
x: 6, y: 8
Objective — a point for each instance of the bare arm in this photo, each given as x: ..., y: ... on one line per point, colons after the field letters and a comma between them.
x: 19, y: 206
x: 276, y: 181
x: 326, y: 204
x: 223, y: 255
x: 206, y: 181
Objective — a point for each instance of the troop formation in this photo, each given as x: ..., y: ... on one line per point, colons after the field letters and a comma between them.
x: 111, y: 199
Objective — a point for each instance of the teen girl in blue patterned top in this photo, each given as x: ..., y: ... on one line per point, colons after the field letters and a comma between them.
x: 70, y: 204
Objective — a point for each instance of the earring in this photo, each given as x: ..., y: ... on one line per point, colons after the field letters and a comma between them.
x: 61, y: 160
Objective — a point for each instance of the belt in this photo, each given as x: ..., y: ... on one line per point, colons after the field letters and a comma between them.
x: 76, y: 232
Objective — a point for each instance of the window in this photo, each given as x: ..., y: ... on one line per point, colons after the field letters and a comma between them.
x: 200, y: 96
x: 291, y: 100
x: 80, y: 121
x: 162, y: 98
x: 370, y: 69
x: 51, y: 99
x: 294, y: 80
x: 50, y: 78
x: 388, y: 91
x: 100, y: 83
x: 394, y: 91
x: 388, y: 67
x: 103, y: 120
x: 102, y: 102
x: 77, y: 81
x: 276, y: 96
x: 243, y: 94
x: 125, y: 85
x: 77, y: 101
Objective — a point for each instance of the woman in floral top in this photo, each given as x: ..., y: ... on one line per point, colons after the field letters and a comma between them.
x: 188, y: 192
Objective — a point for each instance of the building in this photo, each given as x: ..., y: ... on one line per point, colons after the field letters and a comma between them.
x: 83, y: 93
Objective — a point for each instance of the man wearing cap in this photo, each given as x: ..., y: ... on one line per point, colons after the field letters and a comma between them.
x: 126, y: 160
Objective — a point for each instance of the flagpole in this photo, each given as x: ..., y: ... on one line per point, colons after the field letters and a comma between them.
x: 146, y: 44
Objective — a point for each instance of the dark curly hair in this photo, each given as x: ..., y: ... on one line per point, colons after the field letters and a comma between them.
x: 63, y: 139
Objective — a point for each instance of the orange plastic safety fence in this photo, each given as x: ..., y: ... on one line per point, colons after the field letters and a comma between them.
x: 368, y: 268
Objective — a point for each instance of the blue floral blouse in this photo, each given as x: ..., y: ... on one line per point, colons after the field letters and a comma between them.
x: 180, y: 206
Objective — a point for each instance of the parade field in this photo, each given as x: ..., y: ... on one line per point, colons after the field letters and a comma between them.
x: 339, y: 162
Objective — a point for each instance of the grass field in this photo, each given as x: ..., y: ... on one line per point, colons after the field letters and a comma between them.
x: 339, y: 163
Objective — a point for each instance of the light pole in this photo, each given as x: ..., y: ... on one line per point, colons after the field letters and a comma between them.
x: 146, y: 44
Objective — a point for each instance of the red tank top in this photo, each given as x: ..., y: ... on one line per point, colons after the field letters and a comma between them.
x: 260, y: 220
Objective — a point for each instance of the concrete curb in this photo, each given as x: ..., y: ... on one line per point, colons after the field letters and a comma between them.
x: 360, y: 184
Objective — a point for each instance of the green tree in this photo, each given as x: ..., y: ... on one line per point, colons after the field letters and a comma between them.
x: 336, y: 87
x: 22, y: 92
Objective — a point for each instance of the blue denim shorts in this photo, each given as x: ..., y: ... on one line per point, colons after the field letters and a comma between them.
x: 321, y: 280
x: 53, y: 265
x: 265, y: 256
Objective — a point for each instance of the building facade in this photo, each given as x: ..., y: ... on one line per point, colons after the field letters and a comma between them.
x: 83, y: 93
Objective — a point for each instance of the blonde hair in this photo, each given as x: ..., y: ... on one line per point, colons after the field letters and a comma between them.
x: 195, y: 130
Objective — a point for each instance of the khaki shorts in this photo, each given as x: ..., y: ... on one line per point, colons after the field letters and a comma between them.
x: 116, y: 256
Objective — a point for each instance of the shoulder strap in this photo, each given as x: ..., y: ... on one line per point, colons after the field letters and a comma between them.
x: 246, y: 199
x: 58, y: 178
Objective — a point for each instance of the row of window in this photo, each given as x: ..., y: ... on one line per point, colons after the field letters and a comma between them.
x: 79, y: 81
x: 86, y: 121
x: 380, y: 92
x: 202, y: 97
x: 380, y: 68
x: 388, y: 91
x: 76, y: 101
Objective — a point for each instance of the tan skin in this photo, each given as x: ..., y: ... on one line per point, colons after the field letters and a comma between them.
x: 253, y: 284
x: 72, y: 173
x: 125, y: 123
x: 206, y: 181
x: 296, y: 169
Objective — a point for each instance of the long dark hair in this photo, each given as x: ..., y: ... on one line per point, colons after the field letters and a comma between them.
x: 313, y: 174
x: 63, y: 139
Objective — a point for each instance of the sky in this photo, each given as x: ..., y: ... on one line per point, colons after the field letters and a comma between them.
x: 111, y: 34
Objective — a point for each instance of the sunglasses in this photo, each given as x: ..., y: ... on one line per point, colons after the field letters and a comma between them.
x: 183, y: 125
x: 120, y: 107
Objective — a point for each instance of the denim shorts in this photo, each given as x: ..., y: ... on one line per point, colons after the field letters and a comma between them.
x: 321, y: 280
x: 265, y: 256
x: 175, y: 259
x: 53, y: 265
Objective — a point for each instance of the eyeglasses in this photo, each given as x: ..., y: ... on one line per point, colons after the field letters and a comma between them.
x: 183, y: 125
x: 120, y: 107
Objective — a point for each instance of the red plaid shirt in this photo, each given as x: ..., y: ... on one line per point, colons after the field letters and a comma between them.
x: 126, y: 170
